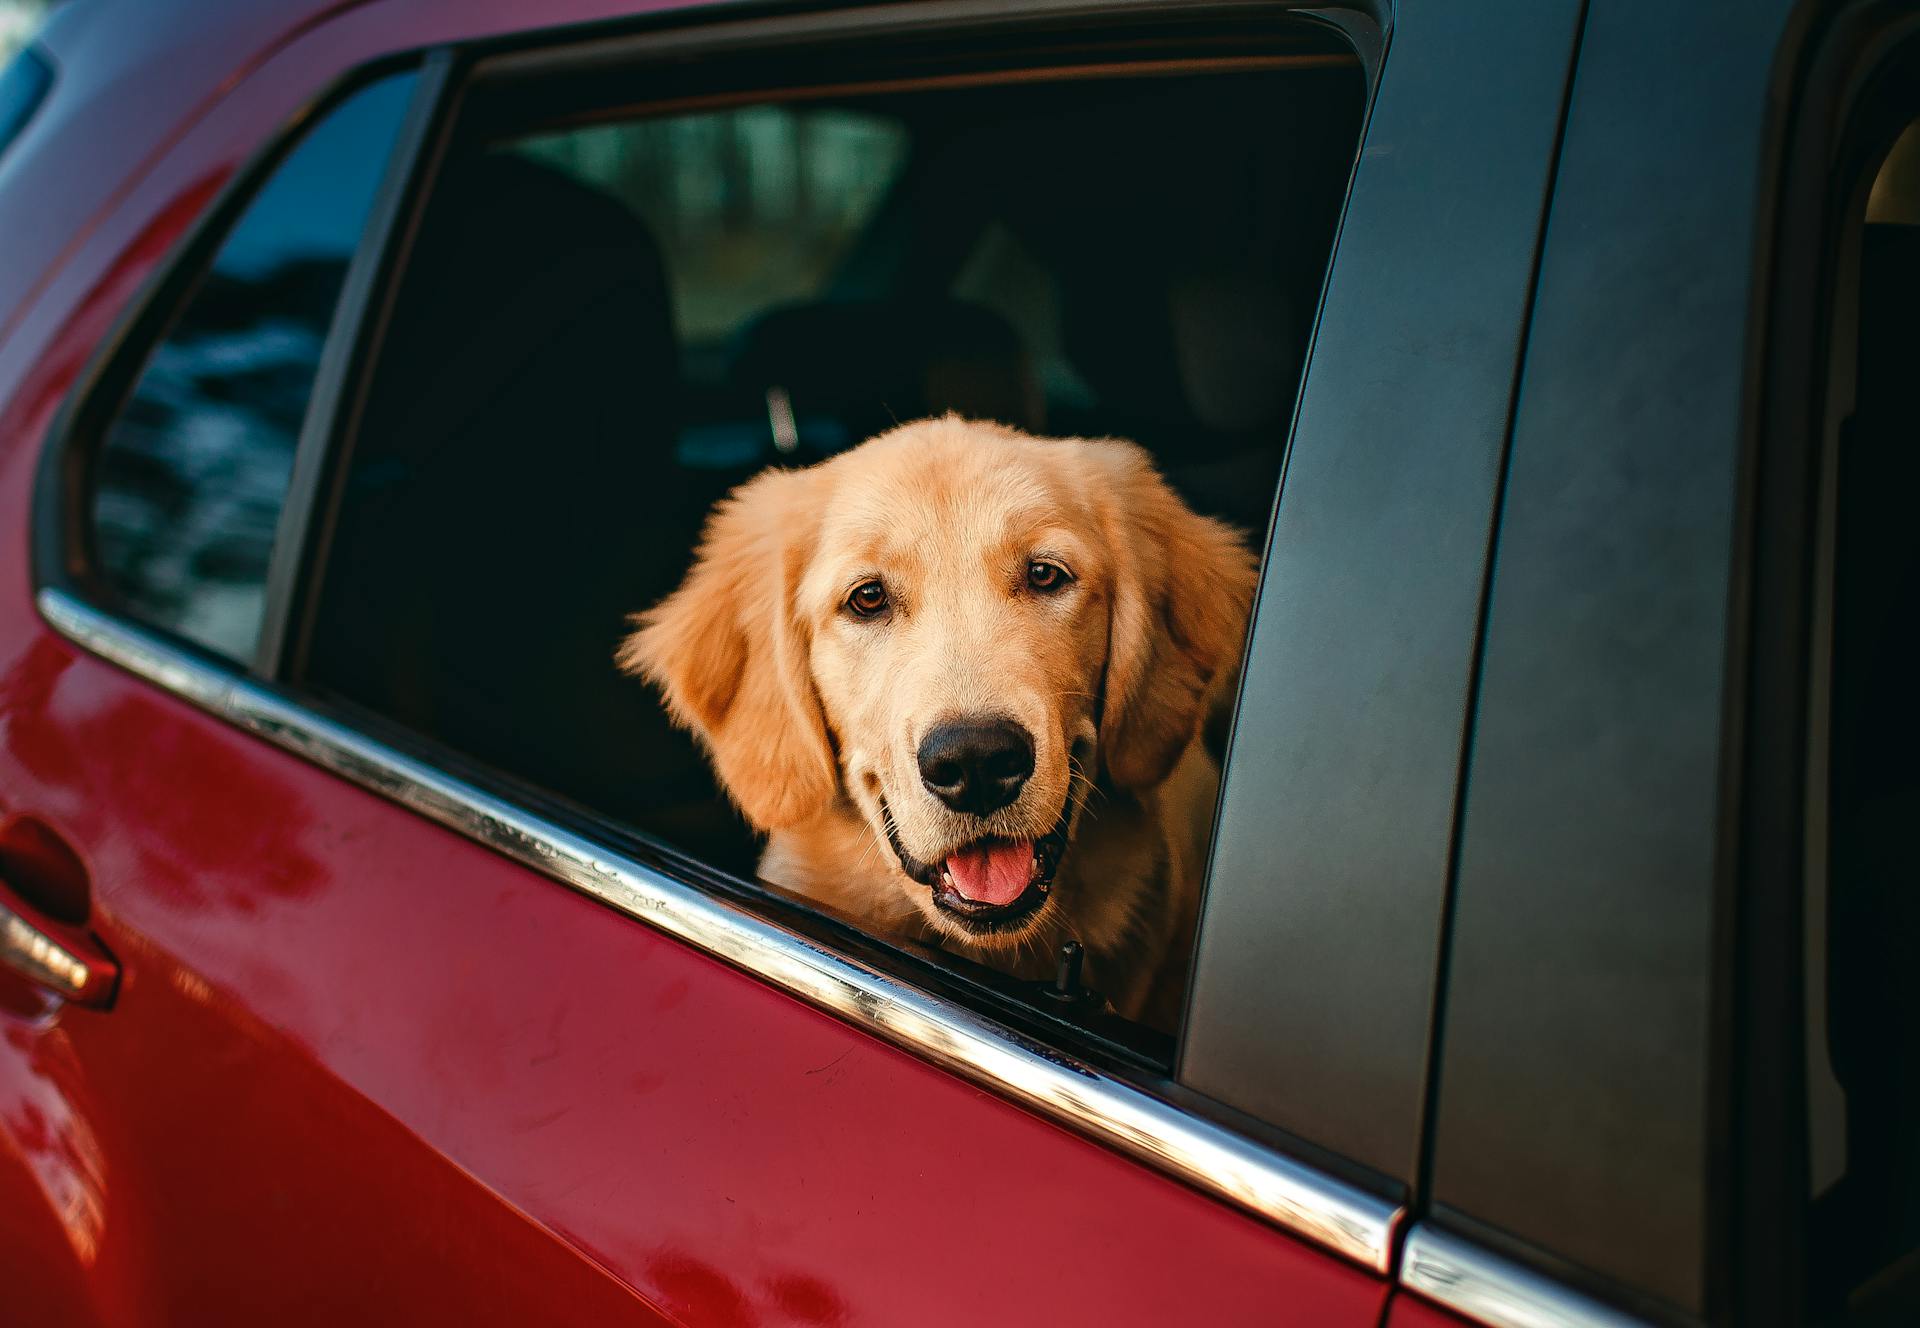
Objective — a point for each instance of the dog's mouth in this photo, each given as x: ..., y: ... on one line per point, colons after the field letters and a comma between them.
x: 991, y: 884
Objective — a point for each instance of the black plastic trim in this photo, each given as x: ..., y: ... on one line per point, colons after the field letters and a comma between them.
x: 352, y: 343
x: 1586, y: 1017
x: 1443, y: 965
x: 1314, y: 977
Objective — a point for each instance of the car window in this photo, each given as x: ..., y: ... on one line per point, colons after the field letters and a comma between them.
x: 188, y: 481
x: 614, y: 328
x: 1865, y: 1004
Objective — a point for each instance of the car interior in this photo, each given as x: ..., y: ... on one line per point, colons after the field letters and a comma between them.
x: 1867, y: 1225
x: 570, y: 377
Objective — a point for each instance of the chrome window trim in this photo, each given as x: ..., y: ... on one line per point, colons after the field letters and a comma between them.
x: 1495, y: 1291
x: 1294, y: 1197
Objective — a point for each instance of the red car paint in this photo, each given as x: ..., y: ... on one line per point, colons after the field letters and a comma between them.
x: 1412, y: 1312
x: 360, y: 1069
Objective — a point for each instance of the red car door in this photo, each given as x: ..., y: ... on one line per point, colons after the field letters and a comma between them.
x: 361, y: 1061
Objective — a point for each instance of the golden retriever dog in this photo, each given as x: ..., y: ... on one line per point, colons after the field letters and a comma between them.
x: 956, y: 676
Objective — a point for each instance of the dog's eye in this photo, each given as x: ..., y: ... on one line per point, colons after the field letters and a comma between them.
x: 868, y: 599
x: 1046, y: 576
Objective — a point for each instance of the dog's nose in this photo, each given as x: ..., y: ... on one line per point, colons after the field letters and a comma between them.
x: 976, y: 766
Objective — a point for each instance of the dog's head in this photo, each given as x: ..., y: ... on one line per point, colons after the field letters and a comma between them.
x: 958, y: 628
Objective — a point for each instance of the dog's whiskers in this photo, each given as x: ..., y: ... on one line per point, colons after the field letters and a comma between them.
x: 874, y: 839
x: 1039, y: 946
x: 1037, y: 940
x: 873, y: 842
x: 1088, y: 791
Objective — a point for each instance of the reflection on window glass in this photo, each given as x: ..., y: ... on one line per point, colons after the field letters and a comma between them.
x: 19, y: 21
x: 25, y: 81
x: 191, y: 476
x: 751, y: 208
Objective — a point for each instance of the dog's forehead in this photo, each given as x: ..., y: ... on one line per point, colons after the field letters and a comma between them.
x: 945, y: 493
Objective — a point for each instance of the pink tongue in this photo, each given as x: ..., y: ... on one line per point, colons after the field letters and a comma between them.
x: 994, y: 872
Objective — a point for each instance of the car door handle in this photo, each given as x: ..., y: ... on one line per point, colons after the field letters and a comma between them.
x: 44, y: 903
x: 48, y: 954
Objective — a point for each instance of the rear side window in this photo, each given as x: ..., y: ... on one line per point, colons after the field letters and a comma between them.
x: 188, y: 482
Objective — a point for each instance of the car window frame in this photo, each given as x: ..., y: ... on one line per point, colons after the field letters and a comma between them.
x: 1147, y: 1117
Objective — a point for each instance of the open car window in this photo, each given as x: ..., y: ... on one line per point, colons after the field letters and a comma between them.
x: 610, y: 319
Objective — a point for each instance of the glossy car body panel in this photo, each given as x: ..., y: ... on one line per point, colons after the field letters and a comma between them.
x: 357, y: 1059
x: 1409, y: 1311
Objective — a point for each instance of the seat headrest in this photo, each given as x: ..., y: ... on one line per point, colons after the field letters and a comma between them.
x: 512, y: 257
x: 1192, y: 353
x: 851, y: 369
x: 1235, y: 346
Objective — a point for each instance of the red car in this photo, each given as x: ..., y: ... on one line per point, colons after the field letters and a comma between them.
x: 371, y: 950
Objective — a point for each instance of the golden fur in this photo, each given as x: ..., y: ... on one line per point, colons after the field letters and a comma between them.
x: 812, y: 714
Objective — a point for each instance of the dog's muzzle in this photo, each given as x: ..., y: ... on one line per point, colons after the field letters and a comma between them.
x: 986, y: 916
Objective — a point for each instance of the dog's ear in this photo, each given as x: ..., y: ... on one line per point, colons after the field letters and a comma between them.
x: 729, y: 652
x: 1182, y: 589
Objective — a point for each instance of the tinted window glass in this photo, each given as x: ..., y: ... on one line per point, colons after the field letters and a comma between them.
x: 190, y: 477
